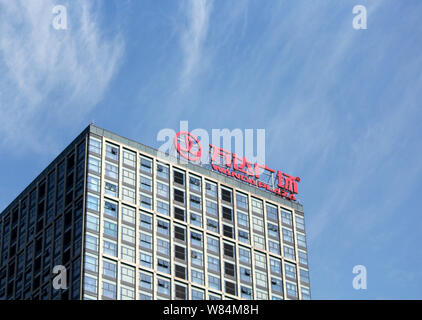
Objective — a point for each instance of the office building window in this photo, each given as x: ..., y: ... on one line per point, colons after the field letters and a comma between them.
x: 304, y: 276
x: 110, y: 248
x: 163, y: 190
x: 162, y: 171
x: 163, y: 227
x: 197, y: 294
x: 163, y: 286
x: 90, y: 284
x: 211, y: 207
x: 243, y: 236
x: 213, y: 263
x: 230, y: 287
x: 259, y: 242
x: 112, y: 171
x: 228, y: 231
x: 273, y: 230
x: 128, y: 214
x: 197, y: 258
x: 196, y: 239
x: 306, y: 293
x: 243, y: 219
x: 291, y: 289
x: 196, y: 219
x: 226, y: 195
x: 163, y: 246
x: 261, y: 279
x: 146, y: 241
x: 128, y: 234
x: 110, y: 208
x: 163, y: 265
x: 197, y: 276
x: 91, y: 263
x: 274, y: 247
x: 94, y: 164
x: 245, y: 255
x: 290, y: 270
x: 178, y: 177
x: 110, y: 268
x: 227, y: 213
x: 128, y: 254
x: 127, y: 293
x: 303, y: 258
x: 257, y: 206
x: 95, y: 145
x: 212, y: 225
x: 146, y: 220
x: 110, y: 228
x: 276, y: 285
x: 109, y: 290
x: 129, y: 158
x: 93, y: 203
x: 228, y: 250
x: 195, y: 202
x: 211, y: 189
x: 93, y: 183
x: 111, y: 189
x: 245, y: 274
x: 301, y: 240
x: 146, y: 260
x: 146, y: 184
x: 260, y: 260
x: 214, y: 282
x: 300, y: 223
x: 286, y: 217
x: 146, y: 165
x: 213, y: 244
x: 195, y: 183
x: 127, y: 274
x: 112, y: 152
x: 92, y: 223
x: 179, y: 214
x: 288, y: 235
x: 275, y: 265
x: 242, y: 200
x: 91, y: 242
x: 180, y: 252
x: 146, y: 201
x: 180, y: 233
x: 163, y: 207
x: 179, y: 195
x: 128, y: 177
x: 145, y: 280
x: 289, y: 252
x: 246, y: 293
x: 272, y: 213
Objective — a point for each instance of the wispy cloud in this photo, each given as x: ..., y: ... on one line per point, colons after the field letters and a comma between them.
x: 51, y: 78
x: 193, y: 37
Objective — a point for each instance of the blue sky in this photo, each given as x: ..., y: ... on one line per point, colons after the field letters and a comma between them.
x: 341, y: 107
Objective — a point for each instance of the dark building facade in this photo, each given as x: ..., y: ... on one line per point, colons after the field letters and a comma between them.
x: 127, y: 223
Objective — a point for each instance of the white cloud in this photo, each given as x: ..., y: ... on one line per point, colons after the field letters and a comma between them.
x: 192, y: 38
x: 50, y: 78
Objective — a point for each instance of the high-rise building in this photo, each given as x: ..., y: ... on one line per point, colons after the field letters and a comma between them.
x: 128, y: 223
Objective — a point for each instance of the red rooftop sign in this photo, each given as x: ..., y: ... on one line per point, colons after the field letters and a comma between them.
x: 228, y: 163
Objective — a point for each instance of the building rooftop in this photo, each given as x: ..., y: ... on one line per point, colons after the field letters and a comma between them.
x: 154, y: 152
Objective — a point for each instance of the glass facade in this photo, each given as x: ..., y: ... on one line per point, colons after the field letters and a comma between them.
x: 128, y: 224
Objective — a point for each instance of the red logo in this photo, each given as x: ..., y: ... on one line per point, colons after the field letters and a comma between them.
x: 188, y: 145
